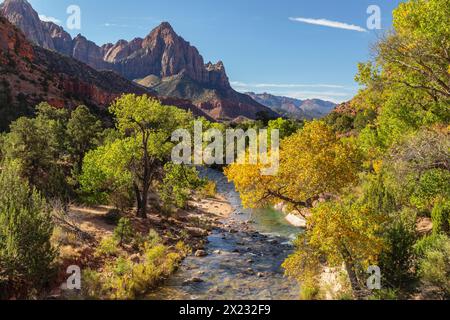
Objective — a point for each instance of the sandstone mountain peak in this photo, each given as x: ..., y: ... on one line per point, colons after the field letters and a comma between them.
x: 162, y: 54
x: 165, y: 26
x: 22, y: 15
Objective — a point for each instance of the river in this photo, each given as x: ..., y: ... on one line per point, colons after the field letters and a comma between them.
x: 242, y: 264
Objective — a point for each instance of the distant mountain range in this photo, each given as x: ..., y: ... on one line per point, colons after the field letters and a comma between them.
x: 163, y: 61
x: 294, y: 108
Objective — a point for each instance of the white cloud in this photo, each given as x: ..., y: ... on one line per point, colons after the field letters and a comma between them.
x: 44, y: 18
x: 330, y: 23
x: 107, y: 24
x: 119, y: 25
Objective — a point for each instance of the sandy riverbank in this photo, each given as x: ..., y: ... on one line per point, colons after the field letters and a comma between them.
x: 84, y: 227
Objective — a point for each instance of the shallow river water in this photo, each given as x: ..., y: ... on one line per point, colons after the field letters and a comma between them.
x: 240, y: 265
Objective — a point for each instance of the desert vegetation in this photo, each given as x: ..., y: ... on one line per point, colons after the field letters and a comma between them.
x: 58, y: 160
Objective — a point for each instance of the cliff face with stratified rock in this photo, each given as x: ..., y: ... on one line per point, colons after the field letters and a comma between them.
x: 30, y: 74
x: 22, y: 15
x: 162, y: 54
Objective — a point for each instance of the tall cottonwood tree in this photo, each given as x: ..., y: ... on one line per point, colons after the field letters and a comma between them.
x: 136, y: 159
x: 417, y: 53
x: 313, y: 162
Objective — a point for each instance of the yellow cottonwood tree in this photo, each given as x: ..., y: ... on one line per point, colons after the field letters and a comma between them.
x: 313, y: 162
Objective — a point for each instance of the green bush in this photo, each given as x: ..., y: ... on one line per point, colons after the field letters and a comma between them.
x: 109, y: 246
x: 432, y: 185
x: 397, y: 260
x: 441, y: 217
x: 124, y: 231
x: 209, y: 190
x: 125, y: 279
x: 26, y: 227
x: 92, y: 285
x: 178, y: 183
x: 434, y: 262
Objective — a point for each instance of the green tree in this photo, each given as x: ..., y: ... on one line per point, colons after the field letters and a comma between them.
x: 83, y: 130
x: 285, y: 127
x: 26, y: 254
x: 178, y: 183
x: 37, y: 144
x: 135, y: 160
x: 124, y: 232
x: 54, y: 120
x: 417, y: 53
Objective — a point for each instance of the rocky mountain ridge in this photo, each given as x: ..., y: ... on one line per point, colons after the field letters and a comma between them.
x: 294, y: 108
x: 30, y: 74
x: 162, y: 53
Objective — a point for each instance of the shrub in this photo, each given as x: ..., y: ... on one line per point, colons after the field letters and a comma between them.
x: 309, y: 290
x: 108, y: 247
x: 124, y: 231
x: 397, y: 260
x: 384, y: 294
x: 125, y: 279
x: 153, y: 238
x: 209, y: 190
x: 183, y: 249
x: 178, y: 183
x: 441, y: 217
x: 432, y: 185
x: 434, y: 262
x: 131, y: 280
x: 92, y: 285
x: 26, y: 228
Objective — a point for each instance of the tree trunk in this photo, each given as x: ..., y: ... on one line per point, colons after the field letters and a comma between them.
x: 145, y: 200
x: 356, y: 288
x: 351, y: 271
x: 141, y: 212
x: 79, y: 163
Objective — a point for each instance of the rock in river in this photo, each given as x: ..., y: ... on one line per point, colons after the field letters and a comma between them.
x: 201, y: 253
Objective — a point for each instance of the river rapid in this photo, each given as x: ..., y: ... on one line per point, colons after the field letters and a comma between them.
x: 243, y: 259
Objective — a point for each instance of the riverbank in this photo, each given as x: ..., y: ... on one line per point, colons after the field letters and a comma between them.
x: 81, y: 231
x: 242, y: 257
x: 235, y: 253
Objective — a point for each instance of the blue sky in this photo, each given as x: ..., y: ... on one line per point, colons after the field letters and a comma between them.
x: 279, y: 47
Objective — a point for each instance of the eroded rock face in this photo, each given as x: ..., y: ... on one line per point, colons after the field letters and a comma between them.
x: 33, y: 75
x: 121, y: 50
x: 88, y: 52
x: 162, y: 53
x: 62, y: 41
x: 21, y: 14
